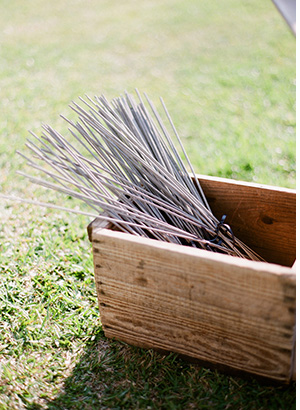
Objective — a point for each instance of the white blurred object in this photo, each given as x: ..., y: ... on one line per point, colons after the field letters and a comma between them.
x: 287, y: 8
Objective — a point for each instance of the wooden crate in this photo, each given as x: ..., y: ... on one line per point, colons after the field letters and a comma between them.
x: 230, y: 313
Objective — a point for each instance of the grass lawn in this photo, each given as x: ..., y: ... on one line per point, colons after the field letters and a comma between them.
x: 226, y: 71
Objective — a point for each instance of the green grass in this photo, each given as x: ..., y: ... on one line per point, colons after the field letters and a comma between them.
x: 226, y: 71
x: 54, y: 354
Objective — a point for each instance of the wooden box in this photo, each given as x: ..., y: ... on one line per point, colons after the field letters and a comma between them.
x: 230, y: 313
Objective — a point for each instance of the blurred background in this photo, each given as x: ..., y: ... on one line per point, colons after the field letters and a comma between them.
x: 225, y: 69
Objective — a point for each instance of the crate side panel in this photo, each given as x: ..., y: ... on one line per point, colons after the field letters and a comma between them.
x: 216, y: 312
x: 130, y: 324
x: 197, y: 310
x: 262, y: 217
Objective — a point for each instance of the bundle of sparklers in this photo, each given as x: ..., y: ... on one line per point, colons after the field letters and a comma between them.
x: 129, y: 172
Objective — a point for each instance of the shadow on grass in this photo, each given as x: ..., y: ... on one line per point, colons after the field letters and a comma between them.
x: 113, y: 375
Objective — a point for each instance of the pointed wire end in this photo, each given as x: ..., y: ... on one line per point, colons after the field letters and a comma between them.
x: 47, y: 127
x: 73, y: 104
x: 89, y: 98
x: 139, y: 96
x: 29, y: 161
x: 33, y: 134
x: 68, y: 121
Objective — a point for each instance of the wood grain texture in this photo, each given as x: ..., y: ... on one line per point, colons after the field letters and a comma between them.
x: 226, y: 311
x: 263, y: 217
